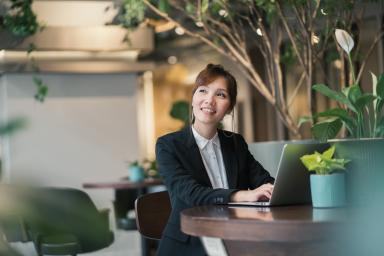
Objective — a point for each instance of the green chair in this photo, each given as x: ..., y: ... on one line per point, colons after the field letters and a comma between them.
x: 64, y: 221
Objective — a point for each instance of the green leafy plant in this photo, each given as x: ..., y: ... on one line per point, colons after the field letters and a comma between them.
x: 361, y: 113
x: 323, y: 164
x: 20, y: 19
x: 180, y: 111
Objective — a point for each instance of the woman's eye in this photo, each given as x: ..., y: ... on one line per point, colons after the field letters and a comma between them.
x: 202, y: 90
x: 221, y: 94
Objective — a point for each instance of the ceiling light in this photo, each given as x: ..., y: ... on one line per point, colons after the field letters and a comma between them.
x: 223, y: 13
x: 172, y: 60
x: 199, y: 24
x: 179, y: 31
x: 315, y: 39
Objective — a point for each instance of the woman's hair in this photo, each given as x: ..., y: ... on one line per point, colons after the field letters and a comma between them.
x: 210, y: 74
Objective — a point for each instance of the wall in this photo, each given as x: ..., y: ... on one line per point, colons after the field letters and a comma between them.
x: 85, y: 131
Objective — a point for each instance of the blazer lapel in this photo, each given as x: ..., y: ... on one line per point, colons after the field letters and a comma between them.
x: 193, y: 153
x: 229, y: 157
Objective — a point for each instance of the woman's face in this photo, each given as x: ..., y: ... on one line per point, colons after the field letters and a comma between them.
x: 211, y: 102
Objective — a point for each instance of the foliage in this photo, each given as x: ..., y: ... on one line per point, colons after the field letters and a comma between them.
x: 180, y: 111
x: 237, y: 29
x: 132, y: 13
x: 148, y: 166
x: 12, y: 126
x: 20, y: 19
x: 323, y: 163
x: 42, y: 89
x: 360, y: 113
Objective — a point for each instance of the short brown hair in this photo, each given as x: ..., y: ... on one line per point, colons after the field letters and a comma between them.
x: 210, y: 74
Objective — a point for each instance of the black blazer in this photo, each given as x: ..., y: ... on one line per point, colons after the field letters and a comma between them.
x: 181, y: 166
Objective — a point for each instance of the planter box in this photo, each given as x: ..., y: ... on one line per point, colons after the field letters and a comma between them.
x: 365, y: 172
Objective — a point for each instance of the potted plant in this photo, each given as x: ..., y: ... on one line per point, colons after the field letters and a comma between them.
x: 362, y: 115
x: 135, y: 172
x: 327, y: 185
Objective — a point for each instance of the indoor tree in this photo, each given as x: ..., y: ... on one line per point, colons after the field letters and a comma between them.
x: 293, y: 32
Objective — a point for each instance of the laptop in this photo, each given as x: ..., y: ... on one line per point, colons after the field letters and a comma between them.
x: 292, y: 179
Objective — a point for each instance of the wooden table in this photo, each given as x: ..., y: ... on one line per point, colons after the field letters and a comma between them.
x: 124, y: 184
x: 126, y: 193
x: 289, y: 230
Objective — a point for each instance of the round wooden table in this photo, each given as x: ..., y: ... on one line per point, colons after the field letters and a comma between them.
x: 288, y: 230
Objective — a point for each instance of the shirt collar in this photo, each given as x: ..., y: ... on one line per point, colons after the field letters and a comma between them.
x: 202, y: 142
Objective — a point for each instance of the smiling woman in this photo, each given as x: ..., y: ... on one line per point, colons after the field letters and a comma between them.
x: 204, y: 165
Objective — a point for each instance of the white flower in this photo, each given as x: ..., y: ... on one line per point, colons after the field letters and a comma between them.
x: 344, y: 40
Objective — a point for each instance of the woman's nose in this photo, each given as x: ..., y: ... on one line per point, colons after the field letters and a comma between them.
x: 210, y: 98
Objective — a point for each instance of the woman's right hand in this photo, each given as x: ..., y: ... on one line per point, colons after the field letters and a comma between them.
x: 264, y: 192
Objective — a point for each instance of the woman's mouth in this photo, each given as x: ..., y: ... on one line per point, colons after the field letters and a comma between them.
x: 208, y: 110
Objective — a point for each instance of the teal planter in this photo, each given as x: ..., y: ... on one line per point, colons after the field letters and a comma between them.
x: 328, y: 190
x: 136, y: 173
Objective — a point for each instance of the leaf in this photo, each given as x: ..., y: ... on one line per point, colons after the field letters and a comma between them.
x: 180, y: 111
x: 364, y: 100
x: 380, y: 87
x: 344, y: 40
x: 311, y: 162
x: 12, y: 126
x: 353, y: 93
x: 337, y: 112
x: 303, y: 120
x: 164, y: 6
x: 328, y: 154
x: 327, y: 129
x: 190, y: 9
x: 379, y: 131
x: 204, y: 6
x: 380, y: 94
x: 339, y: 97
x: 325, y: 90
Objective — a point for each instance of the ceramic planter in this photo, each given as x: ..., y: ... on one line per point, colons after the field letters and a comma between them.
x: 136, y: 173
x: 328, y: 190
x: 365, y: 175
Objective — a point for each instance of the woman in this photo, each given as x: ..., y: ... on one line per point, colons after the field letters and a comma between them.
x: 203, y: 165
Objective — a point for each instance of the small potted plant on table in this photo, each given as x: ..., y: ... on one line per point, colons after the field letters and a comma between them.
x: 327, y: 184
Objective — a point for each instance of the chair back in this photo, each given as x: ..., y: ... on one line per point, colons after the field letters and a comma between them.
x: 66, y: 213
x: 152, y: 213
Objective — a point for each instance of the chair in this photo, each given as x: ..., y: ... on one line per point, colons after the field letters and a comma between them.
x: 152, y: 213
x: 64, y: 221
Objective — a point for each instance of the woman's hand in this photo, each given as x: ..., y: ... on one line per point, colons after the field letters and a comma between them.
x: 261, y: 193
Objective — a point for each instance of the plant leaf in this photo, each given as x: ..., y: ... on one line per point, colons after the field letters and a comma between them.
x: 12, y: 126
x: 180, y: 111
x: 380, y: 95
x: 311, y: 162
x: 304, y: 119
x: 380, y: 87
x: 204, y: 6
x: 364, y: 100
x: 328, y: 154
x: 340, y: 113
x: 327, y: 129
x: 164, y: 6
x: 353, y: 93
x: 379, y: 131
x: 339, y: 97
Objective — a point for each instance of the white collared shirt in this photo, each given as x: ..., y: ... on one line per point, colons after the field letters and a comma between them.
x: 210, y: 151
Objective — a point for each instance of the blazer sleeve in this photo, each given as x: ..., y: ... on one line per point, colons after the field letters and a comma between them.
x: 180, y: 181
x: 257, y: 175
